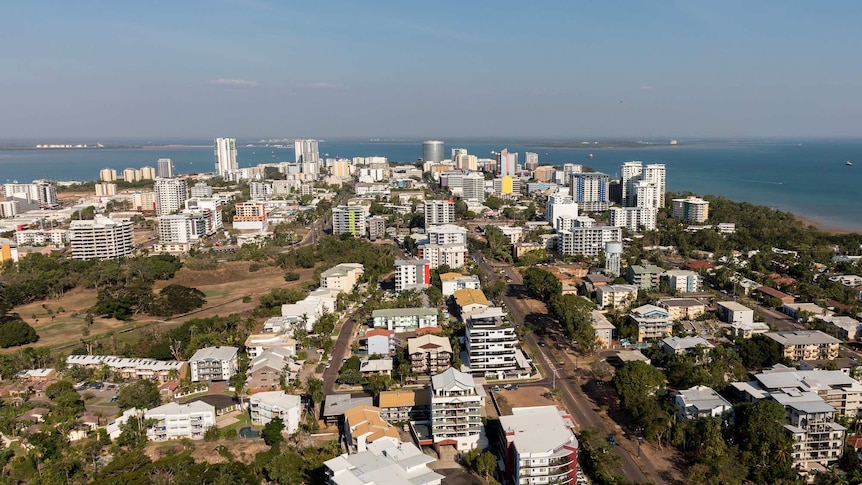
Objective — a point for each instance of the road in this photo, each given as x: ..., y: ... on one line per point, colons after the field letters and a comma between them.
x: 582, y: 409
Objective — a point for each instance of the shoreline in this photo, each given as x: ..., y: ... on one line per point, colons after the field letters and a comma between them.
x: 822, y: 226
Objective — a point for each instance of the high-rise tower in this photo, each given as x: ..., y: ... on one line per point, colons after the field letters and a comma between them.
x: 225, y: 156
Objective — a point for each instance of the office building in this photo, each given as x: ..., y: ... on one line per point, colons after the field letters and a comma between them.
x: 348, y: 219
x: 213, y: 364
x: 412, y: 274
x: 100, y: 238
x: 177, y: 421
x: 540, y: 446
x: 225, y: 157
x: 165, y: 168
x: 590, y: 191
x: 432, y: 151
x: 455, y: 410
x: 474, y: 187
x: 439, y: 212
x: 693, y: 210
x: 171, y: 195
x: 634, y: 219
x: 108, y: 175
x: 507, y: 163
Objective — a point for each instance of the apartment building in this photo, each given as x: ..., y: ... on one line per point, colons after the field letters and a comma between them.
x: 412, y: 274
x: 131, y: 368
x: 213, y: 364
x: 491, y: 344
x: 438, y: 212
x: 250, y: 216
x: 634, y: 219
x: 272, y: 368
x: 644, y: 276
x: 376, y: 228
x: 100, y: 238
x: 257, y: 344
x: 342, y: 277
x: 403, y: 320
x: 452, y: 282
x: 455, y: 410
x: 540, y: 446
x: 265, y: 406
x: 469, y: 300
x: 178, y: 421
x: 348, y: 219
x: 701, y: 401
x: 451, y: 255
x: 682, y: 308
x: 806, y: 344
x: 363, y: 426
x: 605, y: 330
x: 170, y: 194
x: 733, y: 312
x: 682, y: 280
x: 405, y: 405
x: 653, y: 322
x: 384, y: 462
x: 588, y: 241
x: 616, y: 296
x: 429, y: 354
x: 692, y: 210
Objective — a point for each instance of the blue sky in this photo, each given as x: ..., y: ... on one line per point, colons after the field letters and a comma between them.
x: 326, y: 69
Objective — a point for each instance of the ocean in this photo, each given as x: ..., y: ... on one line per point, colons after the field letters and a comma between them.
x: 808, y: 178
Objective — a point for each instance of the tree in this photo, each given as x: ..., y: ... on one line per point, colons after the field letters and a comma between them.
x: 483, y: 463
x: 541, y: 284
x: 766, y: 448
x: 142, y: 394
x: 271, y: 433
x: 314, y: 387
x: 17, y: 332
x: 177, y: 299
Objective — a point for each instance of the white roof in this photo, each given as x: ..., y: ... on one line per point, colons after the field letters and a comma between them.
x: 538, y: 429
x: 683, y: 343
x: 451, y: 378
x: 702, y: 398
x: 600, y: 321
x: 375, y: 365
x: 215, y: 353
x: 277, y: 398
x: 115, y: 362
x: 734, y: 306
x: 173, y: 408
x: 384, y: 463
x: 807, y: 337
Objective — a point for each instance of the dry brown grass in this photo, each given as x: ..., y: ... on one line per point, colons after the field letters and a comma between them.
x: 523, y: 397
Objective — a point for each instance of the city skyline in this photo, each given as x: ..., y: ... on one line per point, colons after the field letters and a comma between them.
x: 253, y: 68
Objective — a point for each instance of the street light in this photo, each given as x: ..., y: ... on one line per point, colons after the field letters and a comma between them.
x: 640, y: 438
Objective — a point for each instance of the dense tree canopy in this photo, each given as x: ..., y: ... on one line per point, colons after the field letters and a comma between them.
x: 16, y: 332
x: 541, y: 284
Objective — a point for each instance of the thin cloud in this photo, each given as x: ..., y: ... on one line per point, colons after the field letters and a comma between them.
x: 647, y: 88
x: 243, y: 83
x: 322, y: 85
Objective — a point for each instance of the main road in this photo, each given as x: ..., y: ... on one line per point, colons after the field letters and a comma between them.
x: 581, y: 408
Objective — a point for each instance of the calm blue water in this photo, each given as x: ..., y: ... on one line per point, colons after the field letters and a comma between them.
x: 810, y: 180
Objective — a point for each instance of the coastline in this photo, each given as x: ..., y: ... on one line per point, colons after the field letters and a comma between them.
x: 821, y: 226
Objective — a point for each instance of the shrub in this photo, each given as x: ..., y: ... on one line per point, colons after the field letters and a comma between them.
x: 291, y: 277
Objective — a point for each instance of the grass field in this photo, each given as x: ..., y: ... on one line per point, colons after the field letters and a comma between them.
x: 224, y: 287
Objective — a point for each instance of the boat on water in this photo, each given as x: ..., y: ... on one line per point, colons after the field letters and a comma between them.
x: 848, y: 163
x: 590, y: 155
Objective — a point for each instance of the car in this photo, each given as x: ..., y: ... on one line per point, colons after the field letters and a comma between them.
x: 542, y: 343
x: 97, y: 385
x: 114, y: 399
x: 495, y: 389
x: 612, y: 440
x: 328, y: 365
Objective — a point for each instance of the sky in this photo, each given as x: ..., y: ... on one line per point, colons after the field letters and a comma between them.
x: 447, y: 69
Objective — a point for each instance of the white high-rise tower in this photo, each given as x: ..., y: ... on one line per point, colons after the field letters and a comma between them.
x: 630, y: 174
x: 654, y: 173
x: 225, y: 156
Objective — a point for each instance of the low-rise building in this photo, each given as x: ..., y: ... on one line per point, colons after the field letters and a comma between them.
x: 177, y: 421
x: 653, y: 322
x: 429, y: 354
x: 682, y: 345
x: 843, y: 327
x: 469, y: 301
x: 405, y: 405
x: 605, y: 330
x: 682, y: 280
x: 806, y: 345
x: 129, y: 368
x: 383, y: 463
x: 452, y: 282
x: 265, y: 406
x: 747, y: 330
x: 540, y: 446
x: 363, y: 426
x: 256, y: 344
x: 371, y: 367
x: 342, y: 277
x: 403, y: 320
x: 214, y: 364
x: 272, y: 368
x: 335, y: 405
x: 616, y: 296
x: 380, y: 341
x: 733, y: 312
x: 412, y: 274
x: 644, y: 276
x: 701, y: 401
x: 683, y: 308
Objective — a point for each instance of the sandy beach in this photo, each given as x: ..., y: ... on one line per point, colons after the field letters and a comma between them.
x: 827, y: 228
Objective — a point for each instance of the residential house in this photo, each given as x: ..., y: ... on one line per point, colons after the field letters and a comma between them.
x: 383, y: 463
x: 684, y: 345
x: 265, y: 406
x: 701, y: 401
x: 370, y: 367
x: 380, y: 341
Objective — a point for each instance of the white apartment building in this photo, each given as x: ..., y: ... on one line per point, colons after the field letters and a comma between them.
x: 211, y: 207
x: 260, y: 190
x: 306, y: 151
x: 265, y: 406
x: 100, y: 238
x: 691, y: 209
x: 605, y: 330
x: 412, y: 274
x: 213, y: 364
x: 452, y: 282
x: 616, y: 296
x: 177, y: 421
x: 9, y: 208
x: 634, y: 219
x: 531, y: 161
x: 653, y: 322
x: 560, y: 205
x: 181, y: 229
x: 654, y: 173
x: 37, y: 237
x: 165, y: 168
x: 541, y: 447
x: 384, y: 463
x: 259, y: 343
x: 589, y: 241
x: 171, y: 195
x: 474, y: 187
x: 349, y: 219
x: 447, y: 234
x: 342, y: 277
x: 733, y: 312
x: 225, y: 157
x: 402, y: 320
x: 491, y: 343
x: 132, y: 175
x: 250, y: 216
x: 701, y: 401
x: 507, y: 163
x: 439, y: 212
x: 201, y: 190
x: 108, y: 175
x: 630, y: 173
x: 452, y: 255
x: 455, y: 410
x: 682, y: 280
x: 148, y: 173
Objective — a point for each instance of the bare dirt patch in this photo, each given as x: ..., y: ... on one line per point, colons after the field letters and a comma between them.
x: 207, y: 451
x: 523, y: 397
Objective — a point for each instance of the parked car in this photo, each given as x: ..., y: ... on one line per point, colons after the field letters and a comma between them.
x: 495, y: 389
x: 114, y: 399
x: 612, y: 440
